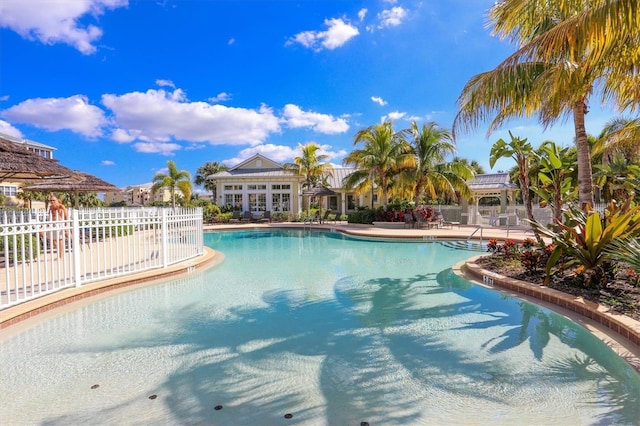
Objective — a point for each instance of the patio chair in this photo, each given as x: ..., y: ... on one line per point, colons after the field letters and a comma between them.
x: 325, y: 216
x: 409, y: 221
x: 236, y: 216
x: 447, y: 223
x: 337, y: 218
x: 314, y: 218
x: 247, y: 216
x: 266, y: 216
x: 420, y: 222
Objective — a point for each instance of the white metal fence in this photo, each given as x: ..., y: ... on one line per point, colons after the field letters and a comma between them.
x: 39, y: 255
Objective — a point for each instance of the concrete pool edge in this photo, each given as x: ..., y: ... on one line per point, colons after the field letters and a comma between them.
x: 19, y: 313
x: 619, y: 332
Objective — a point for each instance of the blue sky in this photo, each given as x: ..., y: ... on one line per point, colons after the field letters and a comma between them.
x: 121, y: 86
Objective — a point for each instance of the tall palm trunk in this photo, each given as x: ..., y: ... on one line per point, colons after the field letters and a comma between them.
x: 585, y: 177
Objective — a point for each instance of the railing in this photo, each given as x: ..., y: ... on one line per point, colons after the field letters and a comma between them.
x: 39, y: 255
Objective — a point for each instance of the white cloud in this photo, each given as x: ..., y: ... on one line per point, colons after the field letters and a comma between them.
x: 231, y: 41
x: 336, y: 36
x: 165, y: 83
x: 278, y: 153
x: 220, y: 97
x: 379, y: 100
x: 53, y: 114
x: 156, y: 147
x: 56, y: 21
x: 392, y: 17
x: 158, y: 115
x: 361, y: 14
x: 8, y: 129
x: 4, y: 98
x: 393, y: 116
x: 107, y: 163
x: 295, y: 117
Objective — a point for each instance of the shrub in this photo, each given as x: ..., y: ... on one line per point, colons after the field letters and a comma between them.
x: 362, y: 216
x: 24, y: 248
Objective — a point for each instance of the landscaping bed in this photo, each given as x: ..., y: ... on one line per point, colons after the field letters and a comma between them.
x: 621, y: 294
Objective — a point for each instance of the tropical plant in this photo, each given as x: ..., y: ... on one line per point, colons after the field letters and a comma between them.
x: 311, y: 165
x: 619, y: 178
x: 626, y: 250
x: 202, y: 176
x: 522, y: 153
x: 585, y: 242
x: 431, y: 174
x: 556, y: 176
x: 560, y: 59
x: 384, y: 155
x: 174, y: 180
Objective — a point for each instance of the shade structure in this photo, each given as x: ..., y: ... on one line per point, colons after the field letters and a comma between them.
x: 319, y: 191
x: 18, y: 164
x: 77, y: 182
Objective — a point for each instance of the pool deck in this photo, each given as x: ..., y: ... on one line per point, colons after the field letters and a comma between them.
x: 621, y: 333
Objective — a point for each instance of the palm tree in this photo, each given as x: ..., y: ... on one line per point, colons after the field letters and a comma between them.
x: 555, y: 176
x: 619, y: 178
x: 384, y: 155
x: 554, y: 72
x: 174, y: 180
x: 202, y: 176
x: 522, y: 153
x: 310, y: 165
x: 431, y: 174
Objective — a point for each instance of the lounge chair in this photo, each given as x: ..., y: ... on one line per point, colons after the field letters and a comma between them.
x: 235, y: 217
x: 420, y: 221
x: 408, y: 220
x: 266, y: 216
x: 337, y: 218
x: 447, y: 223
x: 325, y: 216
x: 247, y: 217
x: 314, y: 218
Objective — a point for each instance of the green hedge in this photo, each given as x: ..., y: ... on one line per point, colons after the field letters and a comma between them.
x: 27, y: 242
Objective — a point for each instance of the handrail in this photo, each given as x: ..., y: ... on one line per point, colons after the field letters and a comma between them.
x: 474, y: 232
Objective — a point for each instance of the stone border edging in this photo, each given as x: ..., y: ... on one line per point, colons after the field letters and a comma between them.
x: 621, y: 324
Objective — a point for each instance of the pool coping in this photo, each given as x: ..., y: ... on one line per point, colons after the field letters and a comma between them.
x: 596, y: 318
x: 24, y: 311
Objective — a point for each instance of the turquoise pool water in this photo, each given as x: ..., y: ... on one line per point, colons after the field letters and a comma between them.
x: 314, y: 328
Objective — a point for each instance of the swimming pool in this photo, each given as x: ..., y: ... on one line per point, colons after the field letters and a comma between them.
x: 314, y: 328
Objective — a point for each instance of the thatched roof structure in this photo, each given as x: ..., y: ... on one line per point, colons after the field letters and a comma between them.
x: 18, y: 164
x: 77, y: 182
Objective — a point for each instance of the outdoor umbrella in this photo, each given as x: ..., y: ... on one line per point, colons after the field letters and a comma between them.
x: 76, y: 183
x: 18, y: 164
x: 319, y: 191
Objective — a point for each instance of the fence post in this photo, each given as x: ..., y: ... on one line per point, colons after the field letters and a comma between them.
x: 165, y: 237
x: 75, y: 246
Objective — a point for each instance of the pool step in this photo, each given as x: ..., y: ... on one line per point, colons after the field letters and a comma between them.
x: 465, y: 245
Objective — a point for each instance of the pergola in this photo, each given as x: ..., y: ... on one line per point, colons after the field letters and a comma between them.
x: 496, y: 185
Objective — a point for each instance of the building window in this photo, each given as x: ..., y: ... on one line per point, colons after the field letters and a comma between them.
x: 233, y: 187
x: 9, y: 191
x: 280, y: 186
x: 333, y: 203
x: 351, y: 203
x: 233, y: 200
x: 256, y: 187
x: 281, y: 202
x: 258, y: 202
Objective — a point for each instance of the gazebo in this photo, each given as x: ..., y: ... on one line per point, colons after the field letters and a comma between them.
x: 496, y: 185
